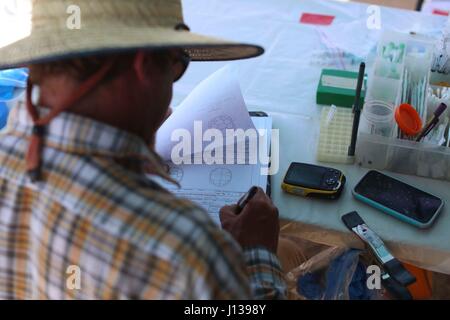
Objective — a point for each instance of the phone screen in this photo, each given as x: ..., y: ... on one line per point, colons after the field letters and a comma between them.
x: 305, y: 175
x: 398, y: 196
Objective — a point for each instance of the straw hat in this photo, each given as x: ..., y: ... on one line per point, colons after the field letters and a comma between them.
x: 111, y: 26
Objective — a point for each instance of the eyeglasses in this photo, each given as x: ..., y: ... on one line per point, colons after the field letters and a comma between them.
x: 184, y: 59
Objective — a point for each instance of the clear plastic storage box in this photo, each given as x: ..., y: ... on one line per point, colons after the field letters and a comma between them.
x: 389, y: 152
x: 403, y: 156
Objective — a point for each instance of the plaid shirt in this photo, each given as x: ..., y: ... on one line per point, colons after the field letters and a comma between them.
x: 97, y: 228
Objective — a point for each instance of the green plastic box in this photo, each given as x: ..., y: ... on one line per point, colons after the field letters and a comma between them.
x: 338, y: 87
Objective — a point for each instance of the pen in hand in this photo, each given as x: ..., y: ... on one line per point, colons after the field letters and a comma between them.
x: 245, y: 199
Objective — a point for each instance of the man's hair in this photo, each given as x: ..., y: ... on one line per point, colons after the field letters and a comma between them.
x: 82, y: 68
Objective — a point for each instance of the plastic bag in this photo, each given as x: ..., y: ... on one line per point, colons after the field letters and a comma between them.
x: 12, y: 86
x: 332, y: 274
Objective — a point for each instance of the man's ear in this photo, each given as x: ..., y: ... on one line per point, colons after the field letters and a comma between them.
x: 140, y: 65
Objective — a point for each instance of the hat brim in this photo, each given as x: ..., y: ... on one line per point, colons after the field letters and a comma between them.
x: 65, y: 44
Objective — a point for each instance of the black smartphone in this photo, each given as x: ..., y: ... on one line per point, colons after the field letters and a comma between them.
x: 313, y: 181
x: 398, y: 199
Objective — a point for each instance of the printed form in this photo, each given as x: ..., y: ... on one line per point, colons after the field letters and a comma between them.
x: 218, y: 103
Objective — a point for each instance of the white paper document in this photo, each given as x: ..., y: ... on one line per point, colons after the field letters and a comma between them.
x: 218, y: 103
x: 214, y: 186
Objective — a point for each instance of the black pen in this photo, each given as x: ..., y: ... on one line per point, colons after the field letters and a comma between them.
x: 356, y: 109
x: 246, y: 198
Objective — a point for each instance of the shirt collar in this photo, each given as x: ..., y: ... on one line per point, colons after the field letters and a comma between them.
x: 76, y: 134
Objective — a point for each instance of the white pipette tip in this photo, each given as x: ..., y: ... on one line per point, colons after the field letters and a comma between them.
x: 331, y: 114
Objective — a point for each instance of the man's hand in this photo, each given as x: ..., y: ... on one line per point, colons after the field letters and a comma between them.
x: 256, y: 225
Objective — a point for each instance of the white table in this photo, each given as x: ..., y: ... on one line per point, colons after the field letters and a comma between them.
x: 283, y: 83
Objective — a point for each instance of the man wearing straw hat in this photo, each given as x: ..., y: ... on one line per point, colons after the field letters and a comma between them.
x: 79, y: 218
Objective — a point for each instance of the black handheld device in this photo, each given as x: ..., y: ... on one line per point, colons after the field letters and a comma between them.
x: 313, y: 180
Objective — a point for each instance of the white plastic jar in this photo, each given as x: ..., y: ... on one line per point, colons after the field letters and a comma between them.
x: 377, y: 118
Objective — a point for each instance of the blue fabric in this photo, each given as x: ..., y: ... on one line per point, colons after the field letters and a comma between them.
x: 339, y: 273
x: 4, y: 112
x: 358, y: 287
x: 6, y: 93
x: 12, y: 83
x: 331, y: 283
x: 309, y: 286
x: 10, y: 80
x: 15, y: 78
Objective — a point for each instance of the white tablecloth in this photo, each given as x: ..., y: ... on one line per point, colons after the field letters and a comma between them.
x: 283, y: 83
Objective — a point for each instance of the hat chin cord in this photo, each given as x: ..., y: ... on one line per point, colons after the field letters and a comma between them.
x: 34, y: 154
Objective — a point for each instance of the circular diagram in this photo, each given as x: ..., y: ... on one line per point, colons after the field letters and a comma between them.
x: 176, y: 173
x: 221, y: 123
x: 220, y: 177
